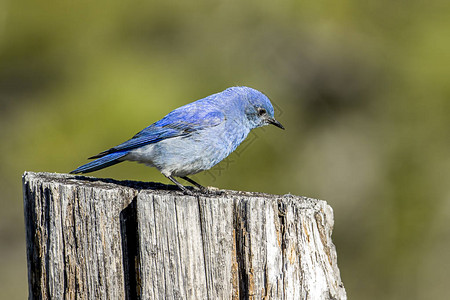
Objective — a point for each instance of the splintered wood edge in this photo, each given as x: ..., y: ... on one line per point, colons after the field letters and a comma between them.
x: 159, y: 188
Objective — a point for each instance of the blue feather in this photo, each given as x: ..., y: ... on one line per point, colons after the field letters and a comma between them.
x: 175, y: 124
x: 103, y: 162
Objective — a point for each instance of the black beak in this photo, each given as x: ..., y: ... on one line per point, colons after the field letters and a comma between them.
x: 275, y: 122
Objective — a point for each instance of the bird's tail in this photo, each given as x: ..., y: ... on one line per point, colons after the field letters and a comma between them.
x: 100, y: 163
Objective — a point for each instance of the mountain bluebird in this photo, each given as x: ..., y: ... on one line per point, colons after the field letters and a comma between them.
x: 194, y: 137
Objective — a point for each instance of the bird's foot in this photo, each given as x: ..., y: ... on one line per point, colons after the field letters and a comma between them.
x: 212, y: 191
x: 201, y: 189
x: 188, y: 192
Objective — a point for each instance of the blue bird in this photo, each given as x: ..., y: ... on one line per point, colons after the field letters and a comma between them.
x: 194, y: 137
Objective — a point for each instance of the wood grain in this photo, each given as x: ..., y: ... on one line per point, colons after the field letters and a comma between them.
x: 95, y: 238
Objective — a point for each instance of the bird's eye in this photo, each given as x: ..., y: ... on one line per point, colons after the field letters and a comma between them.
x: 261, y: 111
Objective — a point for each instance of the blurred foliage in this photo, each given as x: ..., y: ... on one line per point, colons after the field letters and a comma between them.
x: 362, y: 88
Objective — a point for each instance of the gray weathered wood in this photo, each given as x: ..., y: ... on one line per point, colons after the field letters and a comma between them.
x: 104, y: 239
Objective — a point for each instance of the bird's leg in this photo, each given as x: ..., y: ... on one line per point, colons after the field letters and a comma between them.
x: 182, y: 187
x: 199, y: 186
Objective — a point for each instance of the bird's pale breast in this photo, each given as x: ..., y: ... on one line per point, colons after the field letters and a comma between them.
x: 182, y: 156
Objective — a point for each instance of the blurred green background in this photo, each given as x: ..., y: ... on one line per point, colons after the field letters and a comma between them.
x: 362, y: 87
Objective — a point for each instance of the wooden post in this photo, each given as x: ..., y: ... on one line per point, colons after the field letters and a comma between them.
x: 90, y: 238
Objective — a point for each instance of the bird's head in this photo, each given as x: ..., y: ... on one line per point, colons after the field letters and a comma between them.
x: 258, y: 108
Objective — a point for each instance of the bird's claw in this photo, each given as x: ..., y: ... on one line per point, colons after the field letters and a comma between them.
x: 203, y: 192
x: 212, y: 191
x: 188, y: 192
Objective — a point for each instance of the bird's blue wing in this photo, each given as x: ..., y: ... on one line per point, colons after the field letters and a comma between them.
x: 180, y: 122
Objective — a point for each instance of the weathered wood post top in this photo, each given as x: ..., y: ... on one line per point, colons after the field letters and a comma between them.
x: 93, y: 238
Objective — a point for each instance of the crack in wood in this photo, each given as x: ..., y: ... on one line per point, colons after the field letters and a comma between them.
x: 282, y: 221
x: 240, y: 227
x: 130, y: 248
x: 202, y: 233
